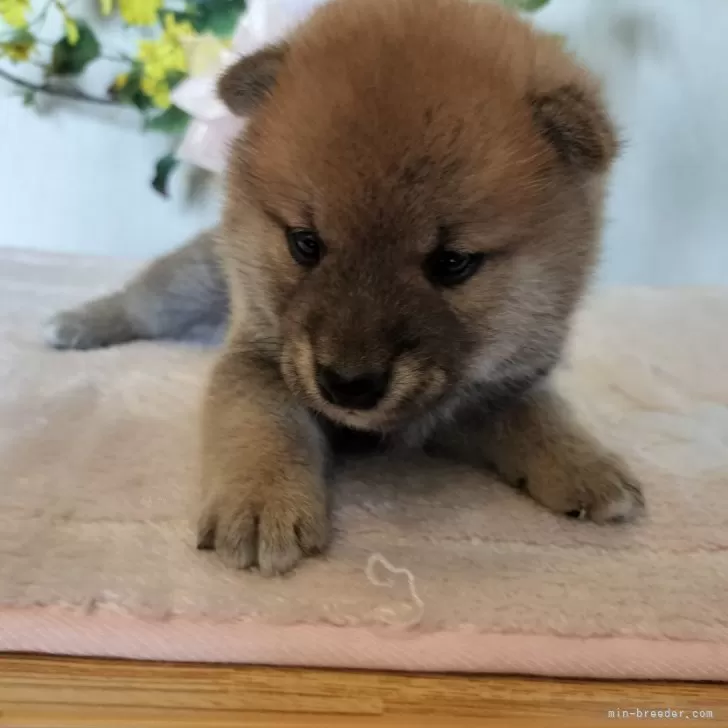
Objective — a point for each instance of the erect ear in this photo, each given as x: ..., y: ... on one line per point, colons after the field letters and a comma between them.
x: 244, y: 85
x: 578, y: 127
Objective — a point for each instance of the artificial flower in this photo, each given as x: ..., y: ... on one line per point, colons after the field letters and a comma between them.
x: 15, y: 12
x: 138, y: 12
x: 71, y: 30
x: 120, y: 81
x: 162, y: 57
x: 208, y: 138
x: 158, y: 91
x: 19, y: 48
x: 203, y: 53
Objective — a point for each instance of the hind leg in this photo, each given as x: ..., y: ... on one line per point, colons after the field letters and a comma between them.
x: 176, y: 296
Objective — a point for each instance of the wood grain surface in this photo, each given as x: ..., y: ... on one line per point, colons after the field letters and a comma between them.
x: 59, y: 693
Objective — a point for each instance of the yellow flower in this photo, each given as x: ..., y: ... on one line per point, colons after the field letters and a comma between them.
x: 106, y: 6
x: 15, y: 12
x: 138, y: 12
x: 162, y: 57
x: 19, y: 48
x: 175, y: 30
x: 71, y: 30
x: 120, y: 81
x: 158, y: 91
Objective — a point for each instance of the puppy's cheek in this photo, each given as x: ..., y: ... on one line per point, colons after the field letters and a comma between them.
x: 407, y: 379
x: 415, y: 386
x: 298, y: 370
x: 290, y: 376
x: 434, y: 387
x: 438, y: 383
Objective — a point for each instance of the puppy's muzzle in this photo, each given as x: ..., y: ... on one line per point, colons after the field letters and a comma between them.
x: 360, y: 392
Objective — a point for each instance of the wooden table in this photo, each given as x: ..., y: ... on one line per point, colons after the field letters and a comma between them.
x: 58, y: 692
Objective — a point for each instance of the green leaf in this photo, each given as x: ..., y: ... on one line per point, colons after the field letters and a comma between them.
x: 527, y: 5
x: 162, y: 171
x: 70, y: 60
x: 223, y: 17
x: 218, y: 17
x: 175, y: 77
x: 172, y: 121
x: 131, y: 92
x: 21, y: 37
x: 190, y: 16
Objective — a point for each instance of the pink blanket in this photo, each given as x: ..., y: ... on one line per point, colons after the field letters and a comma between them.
x: 433, y: 567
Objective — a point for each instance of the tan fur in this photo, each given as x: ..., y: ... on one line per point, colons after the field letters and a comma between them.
x: 536, y: 445
x: 264, y: 499
x: 392, y: 127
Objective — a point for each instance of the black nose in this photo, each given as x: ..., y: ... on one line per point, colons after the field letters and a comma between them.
x: 360, y: 392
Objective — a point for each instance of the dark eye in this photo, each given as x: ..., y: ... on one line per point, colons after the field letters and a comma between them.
x: 306, y: 246
x: 452, y: 267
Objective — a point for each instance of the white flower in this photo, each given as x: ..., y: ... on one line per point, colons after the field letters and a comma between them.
x: 213, y: 127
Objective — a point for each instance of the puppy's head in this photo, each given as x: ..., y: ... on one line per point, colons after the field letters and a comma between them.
x: 415, y: 203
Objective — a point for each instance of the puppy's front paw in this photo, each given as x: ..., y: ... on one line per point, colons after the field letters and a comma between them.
x: 595, y: 486
x: 271, y: 525
x: 96, y: 324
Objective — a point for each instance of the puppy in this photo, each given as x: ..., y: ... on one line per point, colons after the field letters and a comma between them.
x: 411, y: 218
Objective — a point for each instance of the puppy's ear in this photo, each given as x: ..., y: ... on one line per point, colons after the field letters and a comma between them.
x: 577, y: 126
x: 244, y: 85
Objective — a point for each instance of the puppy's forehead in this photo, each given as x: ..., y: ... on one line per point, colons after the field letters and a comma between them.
x: 417, y: 116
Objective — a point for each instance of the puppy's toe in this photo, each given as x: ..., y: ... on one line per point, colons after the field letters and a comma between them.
x: 286, y: 536
x: 68, y: 330
x: 600, y: 490
x: 87, y: 328
x: 617, y: 498
x: 235, y: 538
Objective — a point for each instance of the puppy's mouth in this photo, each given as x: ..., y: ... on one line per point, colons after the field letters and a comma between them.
x: 374, y: 402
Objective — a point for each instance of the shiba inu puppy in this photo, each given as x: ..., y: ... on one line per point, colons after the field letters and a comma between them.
x: 411, y: 217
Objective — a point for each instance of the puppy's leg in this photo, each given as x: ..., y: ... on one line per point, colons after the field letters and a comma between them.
x: 264, y: 497
x: 176, y: 293
x: 536, y: 445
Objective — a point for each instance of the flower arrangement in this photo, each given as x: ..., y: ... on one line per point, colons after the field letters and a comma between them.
x: 169, y: 78
x: 174, y: 44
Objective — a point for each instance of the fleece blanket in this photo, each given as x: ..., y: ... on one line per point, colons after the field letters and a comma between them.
x: 433, y: 567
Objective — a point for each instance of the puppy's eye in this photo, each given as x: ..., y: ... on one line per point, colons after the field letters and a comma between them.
x: 452, y: 267
x: 306, y: 246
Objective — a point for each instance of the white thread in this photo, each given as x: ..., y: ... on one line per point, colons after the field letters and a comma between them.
x: 390, y: 583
